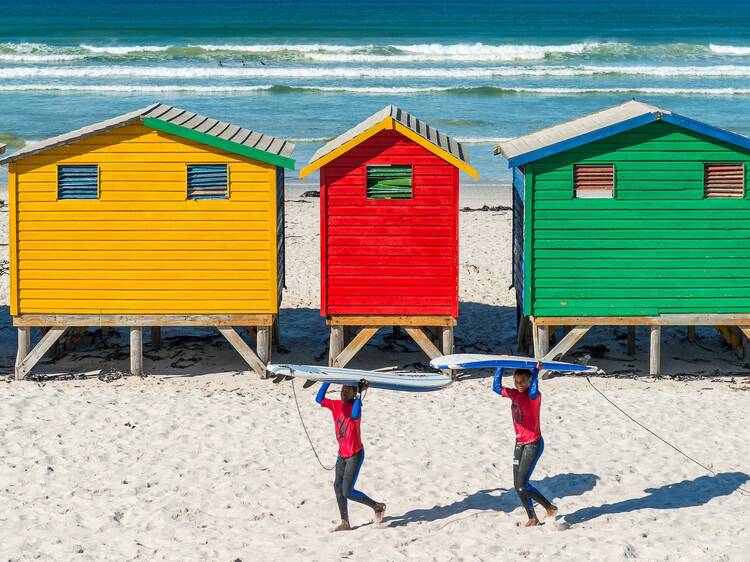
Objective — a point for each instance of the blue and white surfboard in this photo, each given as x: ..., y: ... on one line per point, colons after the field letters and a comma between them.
x: 406, y: 382
x: 480, y: 361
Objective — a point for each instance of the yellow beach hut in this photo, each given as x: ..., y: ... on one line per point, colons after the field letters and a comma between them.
x: 159, y: 217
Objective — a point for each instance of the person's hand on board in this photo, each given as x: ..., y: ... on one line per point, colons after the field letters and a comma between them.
x: 363, y: 385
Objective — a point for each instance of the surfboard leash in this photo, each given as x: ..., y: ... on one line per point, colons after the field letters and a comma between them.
x: 301, y: 419
x: 742, y: 490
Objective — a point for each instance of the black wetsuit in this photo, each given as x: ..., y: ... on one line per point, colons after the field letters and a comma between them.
x: 347, y: 471
x: 525, y: 457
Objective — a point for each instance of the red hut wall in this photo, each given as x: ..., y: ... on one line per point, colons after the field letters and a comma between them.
x: 389, y: 257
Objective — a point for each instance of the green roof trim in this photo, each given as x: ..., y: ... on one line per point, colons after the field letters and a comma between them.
x: 216, y: 142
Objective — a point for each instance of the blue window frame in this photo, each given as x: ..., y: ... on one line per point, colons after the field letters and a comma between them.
x: 207, y: 181
x: 77, y: 182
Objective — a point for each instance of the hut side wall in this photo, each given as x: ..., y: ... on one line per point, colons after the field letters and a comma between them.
x: 142, y: 247
x: 389, y: 257
x: 657, y: 247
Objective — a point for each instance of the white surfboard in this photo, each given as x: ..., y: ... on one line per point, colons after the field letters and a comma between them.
x: 407, y: 382
x: 481, y: 361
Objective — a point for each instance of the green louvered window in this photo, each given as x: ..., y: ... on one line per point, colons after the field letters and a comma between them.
x: 389, y: 182
x: 77, y: 182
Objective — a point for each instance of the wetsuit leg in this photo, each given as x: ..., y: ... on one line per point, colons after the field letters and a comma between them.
x: 525, y: 457
x: 351, y: 472
x: 338, y: 487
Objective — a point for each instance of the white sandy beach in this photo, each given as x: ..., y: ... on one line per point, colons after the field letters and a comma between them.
x: 199, y: 460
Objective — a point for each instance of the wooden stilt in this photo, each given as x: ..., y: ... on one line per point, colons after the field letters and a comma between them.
x: 156, y: 337
x: 447, y: 340
x: 631, y: 340
x: 136, y: 351
x: 336, y: 344
x: 24, y: 367
x: 24, y: 347
x: 566, y: 343
x: 691, y: 333
x: 655, y: 357
x: 264, y: 344
x: 357, y: 343
x: 541, y: 340
x: 244, y: 350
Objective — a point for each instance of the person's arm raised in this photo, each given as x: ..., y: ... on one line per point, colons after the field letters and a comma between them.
x: 322, y: 392
x: 497, y: 381
x: 534, y: 386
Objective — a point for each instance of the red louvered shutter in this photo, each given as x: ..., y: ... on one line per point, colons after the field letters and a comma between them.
x: 592, y: 181
x: 724, y: 180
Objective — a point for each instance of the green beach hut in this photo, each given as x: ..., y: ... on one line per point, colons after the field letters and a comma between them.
x: 630, y: 216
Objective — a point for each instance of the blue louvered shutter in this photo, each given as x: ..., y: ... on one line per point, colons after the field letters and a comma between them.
x: 207, y: 181
x: 77, y: 182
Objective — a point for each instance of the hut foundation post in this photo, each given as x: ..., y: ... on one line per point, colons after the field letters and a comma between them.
x: 24, y: 348
x: 136, y: 351
x: 336, y: 344
x: 655, y: 356
x: 541, y: 341
x: 631, y: 340
x: 264, y: 344
x: 156, y: 337
x: 24, y: 366
x: 447, y: 340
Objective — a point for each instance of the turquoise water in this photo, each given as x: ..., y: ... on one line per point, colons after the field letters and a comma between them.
x: 480, y: 71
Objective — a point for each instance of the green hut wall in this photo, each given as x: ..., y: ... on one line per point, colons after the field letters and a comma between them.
x: 659, y: 246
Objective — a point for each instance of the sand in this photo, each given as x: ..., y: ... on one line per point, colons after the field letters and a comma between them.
x: 201, y: 461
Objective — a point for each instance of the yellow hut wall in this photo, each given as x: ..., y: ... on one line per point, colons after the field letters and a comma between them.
x: 142, y: 247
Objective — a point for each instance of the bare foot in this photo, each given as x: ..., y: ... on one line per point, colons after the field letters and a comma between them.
x: 379, y: 512
x: 552, y: 510
x: 532, y: 523
x: 343, y: 526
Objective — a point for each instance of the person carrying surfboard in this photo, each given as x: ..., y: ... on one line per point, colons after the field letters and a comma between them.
x: 526, y: 403
x: 347, y: 415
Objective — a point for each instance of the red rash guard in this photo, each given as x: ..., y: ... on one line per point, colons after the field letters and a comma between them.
x: 347, y: 428
x: 525, y: 412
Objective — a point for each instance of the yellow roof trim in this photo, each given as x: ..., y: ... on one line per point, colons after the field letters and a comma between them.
x: 383, y: 125
x: 436, y: 150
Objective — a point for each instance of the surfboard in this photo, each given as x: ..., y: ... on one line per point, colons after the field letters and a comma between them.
x: 480, y: 361
x: 406, y: 382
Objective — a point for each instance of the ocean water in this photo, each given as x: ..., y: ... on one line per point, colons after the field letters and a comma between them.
x: 308, y: 70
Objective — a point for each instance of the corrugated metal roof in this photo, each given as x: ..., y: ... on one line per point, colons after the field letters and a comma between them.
x: 424, y: 130
x: 168, y: 114
x: 515, y: 147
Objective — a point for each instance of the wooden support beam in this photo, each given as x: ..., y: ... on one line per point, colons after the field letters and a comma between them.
x: 655, y: 356
x: 357, y: 343
x: 243, y: 349
x: 447, y: 340
x: 691, y: 333
x: 156, y: 337
x: 24, y: 347
x: 541, y: 340
x: 631, y: 340
x: 336, y: 343
x: 566, y: 343
x: 136, y: 351
x: 423, y: 341
x: 61, y: 320
x: 24, y: 367
x: 263, y: 342
x: 417, y: 321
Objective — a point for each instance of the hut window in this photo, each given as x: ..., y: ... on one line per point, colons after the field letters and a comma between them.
x: 206, y: 181
x: 594, y: 181
x: 724, y: 180
x: 77, y: 182
x: 389, y: 182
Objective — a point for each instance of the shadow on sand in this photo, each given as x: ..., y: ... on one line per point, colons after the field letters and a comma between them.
x: 558, y: 486
x: 688, y: 493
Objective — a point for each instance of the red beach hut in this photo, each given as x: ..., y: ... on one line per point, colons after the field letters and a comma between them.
x: 389, y: 231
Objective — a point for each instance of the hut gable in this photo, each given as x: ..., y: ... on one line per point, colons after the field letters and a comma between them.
x: 389, y: 221
x: 142, y: 246
x: 671, y: 238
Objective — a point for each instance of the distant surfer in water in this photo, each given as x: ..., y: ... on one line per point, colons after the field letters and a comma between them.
x: 526, y: 402
x: 347, y: 414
